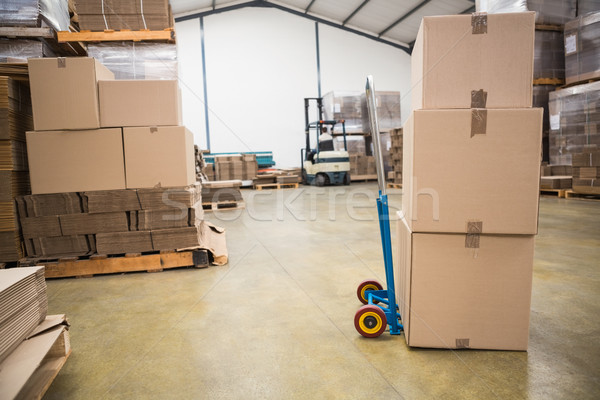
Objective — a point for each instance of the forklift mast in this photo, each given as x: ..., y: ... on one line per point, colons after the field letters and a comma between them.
x: 319, y: 101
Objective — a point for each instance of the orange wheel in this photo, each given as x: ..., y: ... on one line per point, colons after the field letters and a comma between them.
x: 361, y: 291
x: 370, y: 321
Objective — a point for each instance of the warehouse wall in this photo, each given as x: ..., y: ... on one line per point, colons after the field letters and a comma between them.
x: 260, y: 64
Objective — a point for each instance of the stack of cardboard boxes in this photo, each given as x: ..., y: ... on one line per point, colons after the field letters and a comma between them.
x: 112, y: 170
x: 361, y: 165
x: 556, y: 176
x: 586, y: 172
x: 471, y: 170
x: 235, y: 167
x: 15, y: 120
x: 396, y: 149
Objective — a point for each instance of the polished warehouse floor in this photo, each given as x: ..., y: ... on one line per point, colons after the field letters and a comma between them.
x: 277, y: 321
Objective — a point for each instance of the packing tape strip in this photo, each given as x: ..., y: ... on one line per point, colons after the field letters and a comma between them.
x: 462, y: 343
x: 478, y: 98
x: 472, y: 239
x: 153, y: 129
x: 61, y: 62
x: 478, y: 121
x: 479, y: 23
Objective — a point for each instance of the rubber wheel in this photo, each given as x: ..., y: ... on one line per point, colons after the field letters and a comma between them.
x: 347, y: 179
x: 320, y: 180
x: 370, y: 321
x: 361, y: 291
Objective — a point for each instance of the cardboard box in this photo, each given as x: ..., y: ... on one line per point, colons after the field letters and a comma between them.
x: 73, y: 161
x: 104, y: 201
x: 124, y: 242
x: 64, y: 92
x: 41, y: 205
x: 452, y: 295
x: 159, y: 157
x: 61, y: 246
x: 83, y: 224
x: 469, y: 61
x: 458, y: 177
x: 139, y: 103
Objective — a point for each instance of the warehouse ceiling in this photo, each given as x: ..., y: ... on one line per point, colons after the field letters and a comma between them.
x: 393, y: 22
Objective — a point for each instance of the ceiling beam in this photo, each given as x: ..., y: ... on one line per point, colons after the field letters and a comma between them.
x: 402, y: 18
x: 355, y: 11
x: 469, y: 10
x: 309, y: 6
x: 265, y: 4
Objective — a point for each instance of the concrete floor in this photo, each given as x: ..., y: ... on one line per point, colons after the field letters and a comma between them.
x: 277, y: 322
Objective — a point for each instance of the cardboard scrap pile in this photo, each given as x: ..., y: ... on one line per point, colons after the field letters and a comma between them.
x: 112, y: 169
x: 466, y: 235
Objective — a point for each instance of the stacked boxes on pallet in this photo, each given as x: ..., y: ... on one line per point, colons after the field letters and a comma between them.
x: 466, y: 237
x: 556, y: 177
x: 235, y: 167
x: 15, y: 120
x: 582, y: 48
x: 112, y: 171
x: 574, y: 121
x: 586, y: 172
x: 396, y: 149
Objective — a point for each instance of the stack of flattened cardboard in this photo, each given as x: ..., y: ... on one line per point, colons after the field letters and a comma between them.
x: 15, y: 120
x: 466, y: 237
x: 112, y: 169
x: 111, y: 221
x: 23, y: 305
x: 556, y: 176
x: 222, y: 192
x: 395, y: 175
x: 97, y: 15
x: 586, y: 172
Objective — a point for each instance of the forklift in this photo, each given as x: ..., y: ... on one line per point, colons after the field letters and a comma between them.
x: 323, y: 165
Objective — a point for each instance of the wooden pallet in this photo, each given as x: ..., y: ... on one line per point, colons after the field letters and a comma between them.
x: 112, y: 36
x: 559, y: 192
x: 569, y: 194
x: 545, y: 27
x: 548, y: 81
x: 265, y: 186
x: 99, y: 264
x: 392, y: 185
x: 224, y: 205
x: 369, y: 177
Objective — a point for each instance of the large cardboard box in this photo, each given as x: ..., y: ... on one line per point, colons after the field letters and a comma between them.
x: 75, y: 161
x: 466, y: 170
x: 464, y: 61
x: 457, y: 292
x: 64, y: 92
x: 139, y: 103
x: 159, y: 157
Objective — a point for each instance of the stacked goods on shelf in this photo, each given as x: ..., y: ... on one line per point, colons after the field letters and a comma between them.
x: 15, y: 120
x: 112, y: 170
x: 466, y: 234
x: 35, y: 13
x: 582, y: 48
x: 547, y: 12
x: 396, y: 149
x: 235, y: 167
x: 137, y: 60
x: 19, y: 50
x: 549, y: 58
x: 388, y: 111
x: 587, y: 6
x: 574, y: 121
x: 352, y: 108
x: 556, y: 177
x: 24, y: 304
x: 586, y: 171
x: 541, y: 97
x: 135, y: 15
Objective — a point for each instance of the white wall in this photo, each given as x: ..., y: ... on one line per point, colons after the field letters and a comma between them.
x: 260, y: 64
